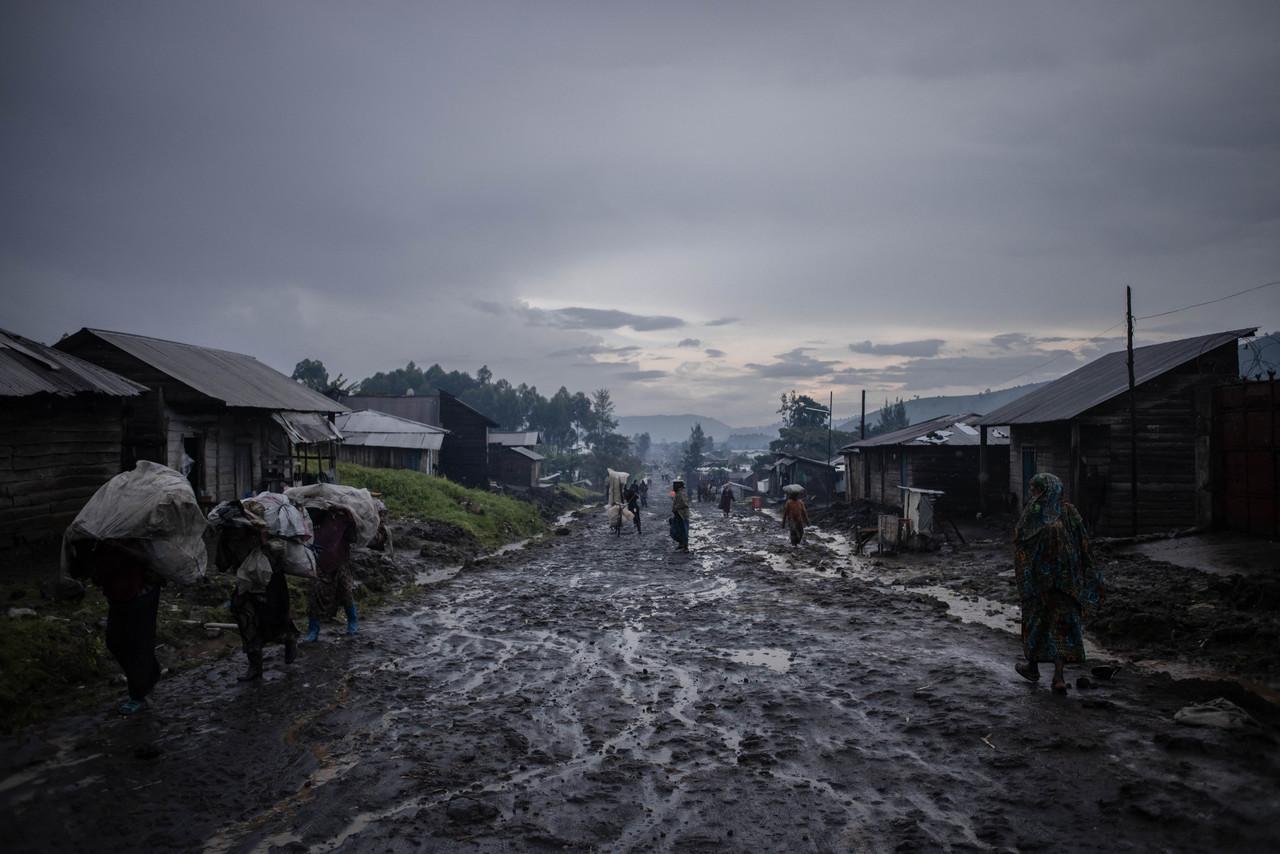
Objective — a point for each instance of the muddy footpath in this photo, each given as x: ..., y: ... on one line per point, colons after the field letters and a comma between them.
x: 598, y: 692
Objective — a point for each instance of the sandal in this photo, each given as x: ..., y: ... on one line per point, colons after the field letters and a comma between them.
x: 1029, y: 672
x: 133, y: 707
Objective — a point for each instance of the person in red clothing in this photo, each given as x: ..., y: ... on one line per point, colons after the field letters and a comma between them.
x: 335, y: 532
x: 120, y: 569
x: 795, y: 517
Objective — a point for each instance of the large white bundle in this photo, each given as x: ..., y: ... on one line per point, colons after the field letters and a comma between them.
x: 617, y: 482
x: 283, y: 517
x: 155, y: 505
x: 326, y: 496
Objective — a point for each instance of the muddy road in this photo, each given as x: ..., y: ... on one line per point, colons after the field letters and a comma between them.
x: 593, y: 692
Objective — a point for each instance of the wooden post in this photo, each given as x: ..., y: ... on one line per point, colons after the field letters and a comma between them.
x: 1133, y: 420
x: 983, y: 476
x: 831, y: 414
x: 1075, y: 465
x: 863, y: 423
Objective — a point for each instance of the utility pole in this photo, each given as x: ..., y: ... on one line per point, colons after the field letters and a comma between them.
x: 1133, y: 419
x: 831, y: 414
x: 863, y: 422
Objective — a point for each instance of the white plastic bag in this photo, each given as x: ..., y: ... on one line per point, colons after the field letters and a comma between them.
x: 298, y: 560
x: 254, y: 573
x: 358, y: 502
x: 283, y: 517
x: 155, y: 505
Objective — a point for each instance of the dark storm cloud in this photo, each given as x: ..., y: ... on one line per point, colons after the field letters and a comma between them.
x: 922, y: 348
x: 689, y: 342
x: 641, y: 376
x: 794, y: 364
x: 714, y: 353
x: 374, y: 184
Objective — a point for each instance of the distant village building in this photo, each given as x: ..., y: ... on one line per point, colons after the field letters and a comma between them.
x: 513, y: 460
x: 61, y: 437
x: 940, y: 454
x: 817, y: 477
x: 382, y: 440
x: 1077, y: 428
x: 464, y: 456
x: 230, y: 423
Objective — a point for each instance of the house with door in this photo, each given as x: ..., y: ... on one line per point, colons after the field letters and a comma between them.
x: 464, y: 456
x: 381, y: 440
x: 817, y: 477
x: 939, y: 455
x: 232, y: 424
x: 62, y: 423
x: 1078, y: 427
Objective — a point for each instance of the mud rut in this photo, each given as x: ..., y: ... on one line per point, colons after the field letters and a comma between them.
x: 594, y: 692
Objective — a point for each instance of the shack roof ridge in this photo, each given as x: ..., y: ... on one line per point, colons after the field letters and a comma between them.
x: 421, y: 427
x: 912, y: 431
x: 187, y: 344
x: 1105, y: 378
x: 55, y: 372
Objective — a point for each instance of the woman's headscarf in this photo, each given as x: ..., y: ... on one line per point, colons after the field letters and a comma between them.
x: 1045, y: 509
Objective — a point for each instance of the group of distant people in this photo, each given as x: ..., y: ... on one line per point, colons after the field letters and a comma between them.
x: 795, y: 517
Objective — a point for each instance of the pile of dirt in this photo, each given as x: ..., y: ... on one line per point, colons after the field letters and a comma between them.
x: 436, y: 541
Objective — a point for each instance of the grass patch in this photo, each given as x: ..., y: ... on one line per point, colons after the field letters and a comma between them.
x: 492, y: 519
x: 578, y: 493
x: 44, y: 662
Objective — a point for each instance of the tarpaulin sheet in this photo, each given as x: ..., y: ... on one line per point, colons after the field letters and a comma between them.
x: 155, y: 505
x: 358, y: 502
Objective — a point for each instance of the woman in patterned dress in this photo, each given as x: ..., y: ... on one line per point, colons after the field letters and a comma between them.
x: 1060, y: 585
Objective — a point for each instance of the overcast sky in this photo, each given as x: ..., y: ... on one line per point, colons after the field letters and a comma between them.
x: 696, y: 205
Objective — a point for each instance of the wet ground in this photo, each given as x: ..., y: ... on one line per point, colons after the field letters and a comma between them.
x: 599, y: 692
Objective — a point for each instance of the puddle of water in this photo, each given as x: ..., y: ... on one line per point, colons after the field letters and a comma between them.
x: 775, y: 659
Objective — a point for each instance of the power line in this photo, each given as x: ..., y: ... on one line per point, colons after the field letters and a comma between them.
x: 1210, y: 302
x: 1144, y: 317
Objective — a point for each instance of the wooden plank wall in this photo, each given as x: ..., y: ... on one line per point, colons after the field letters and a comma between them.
x: 54, y: 454
x: 387, y: 458
x: 464, y: 457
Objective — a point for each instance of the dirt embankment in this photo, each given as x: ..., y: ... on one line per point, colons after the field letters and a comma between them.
x: 1154, y: 610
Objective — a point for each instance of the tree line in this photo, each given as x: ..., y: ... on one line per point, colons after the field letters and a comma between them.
x: 577, y: 430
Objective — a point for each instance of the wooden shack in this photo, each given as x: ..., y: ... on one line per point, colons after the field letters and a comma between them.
x: 940, y: 454
x: 1078, y: 428
x: 232, y: 424
x: 464, y: 456
x: 382, y: 440
x: 817, y: 477
x: 61, y: 437
x: 514, y: 459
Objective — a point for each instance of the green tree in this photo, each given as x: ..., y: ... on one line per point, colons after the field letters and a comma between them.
x: 692, y: 456
x: 311, y: 373
x: 602, y: 422
x: 893, y: 416
x: 642, y: 443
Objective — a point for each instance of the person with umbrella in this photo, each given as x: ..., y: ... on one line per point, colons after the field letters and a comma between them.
x: 794, y: 515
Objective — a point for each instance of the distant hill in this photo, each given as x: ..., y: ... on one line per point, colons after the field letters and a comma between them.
x: 672, y: 428
x: 926, y: 408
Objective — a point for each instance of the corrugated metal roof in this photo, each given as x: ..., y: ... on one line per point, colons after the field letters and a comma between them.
x: 384, y: 430
x: 525, y: 452
x: 945, y: 430
x: 1104, y: 378
x: 527, y: 438
x: 306, y: 428
x: 28, y: 367
x: 233, y: 378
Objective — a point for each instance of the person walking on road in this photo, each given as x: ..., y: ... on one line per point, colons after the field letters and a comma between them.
x: 679, y: 516
x: 335, y: 531
x: 1060, y: 585
x: 726, y: 499
x: 121, y: 569
x: 644, y: 492
x: 260, y: 601
x: 795, y: 517
x: 632, y: 498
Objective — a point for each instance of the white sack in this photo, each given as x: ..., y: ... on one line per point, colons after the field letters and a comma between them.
x: 154, y: 504
x: 254, y: 573
x: 358, y: 502
x: 298, y: 560
x: 283, y: 517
